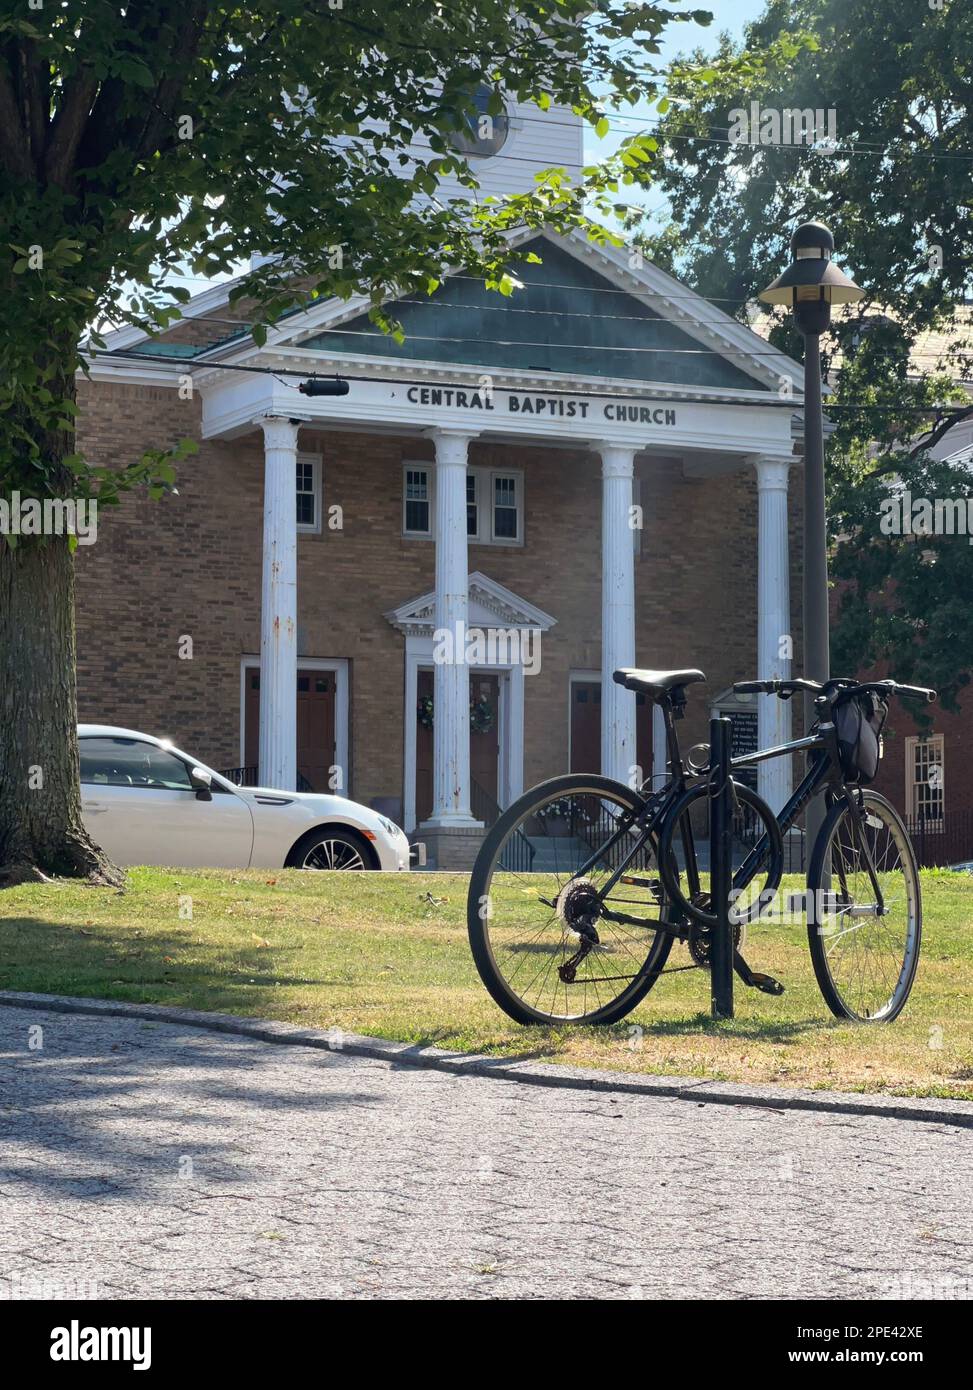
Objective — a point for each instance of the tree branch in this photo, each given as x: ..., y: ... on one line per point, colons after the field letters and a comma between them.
x: 929, y: 441
x: 35, y: 98
x: 943, y: 428
x: 15, y: 148
x: 68, y: 128
x: 104, y: 131
x: 169, y: 89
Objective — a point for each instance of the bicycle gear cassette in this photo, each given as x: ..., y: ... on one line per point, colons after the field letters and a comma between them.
x: 701, y: 941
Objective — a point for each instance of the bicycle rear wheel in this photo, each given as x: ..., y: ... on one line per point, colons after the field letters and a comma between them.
x: 538, y: 899
x: 865, y: 963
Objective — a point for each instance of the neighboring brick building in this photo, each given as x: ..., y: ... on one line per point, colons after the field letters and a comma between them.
x: 499, y: 444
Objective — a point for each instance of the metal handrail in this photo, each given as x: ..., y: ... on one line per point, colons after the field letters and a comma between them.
x: 485, y: 808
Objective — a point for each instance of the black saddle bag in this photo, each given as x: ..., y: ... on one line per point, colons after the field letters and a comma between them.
x: 859, y: 720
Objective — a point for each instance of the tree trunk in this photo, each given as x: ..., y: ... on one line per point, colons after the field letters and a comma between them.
x: 41, y: 831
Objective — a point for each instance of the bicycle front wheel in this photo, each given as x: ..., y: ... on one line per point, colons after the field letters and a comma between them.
x: 865, y: 956
x: 542, y: 909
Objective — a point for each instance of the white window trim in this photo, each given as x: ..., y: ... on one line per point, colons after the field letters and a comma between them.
x: 484, y: 479
x: 316, y: 462
x: 413, y: 465
x: 911, y: 786
x: 518, y: 477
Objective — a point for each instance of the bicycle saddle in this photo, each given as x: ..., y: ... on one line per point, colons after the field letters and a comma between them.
x: 655, y: 683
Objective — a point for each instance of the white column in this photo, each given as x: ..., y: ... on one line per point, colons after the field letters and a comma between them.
x: 278, y: 607
x: 451, y: 675
x: 618, y: 753
x: 774, y: 640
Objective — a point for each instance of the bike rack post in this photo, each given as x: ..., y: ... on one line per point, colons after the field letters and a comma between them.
x: 720, y: 868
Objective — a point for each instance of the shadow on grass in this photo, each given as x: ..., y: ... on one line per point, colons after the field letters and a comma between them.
x: 129, y: 963
x: 764, y: 1031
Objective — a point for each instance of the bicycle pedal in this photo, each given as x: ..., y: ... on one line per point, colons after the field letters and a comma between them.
x: 633, y: 881
x: 767, y: 984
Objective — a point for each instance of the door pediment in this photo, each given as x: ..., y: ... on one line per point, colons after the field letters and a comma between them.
x: 490, y: 605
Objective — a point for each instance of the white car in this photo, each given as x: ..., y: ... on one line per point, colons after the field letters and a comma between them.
x: 145, y: 802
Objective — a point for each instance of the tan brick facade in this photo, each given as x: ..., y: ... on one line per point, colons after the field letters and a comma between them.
x: 191, y: 566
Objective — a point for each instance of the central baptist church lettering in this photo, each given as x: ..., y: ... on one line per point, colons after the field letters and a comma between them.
x: 551, y: 407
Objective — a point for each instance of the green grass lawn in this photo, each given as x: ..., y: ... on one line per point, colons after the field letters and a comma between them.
x: 388, y: 955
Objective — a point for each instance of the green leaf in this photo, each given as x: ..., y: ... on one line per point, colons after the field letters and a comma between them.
x: 133, y: 70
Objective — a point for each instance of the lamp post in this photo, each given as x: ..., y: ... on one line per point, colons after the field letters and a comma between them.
x: 810, y: 285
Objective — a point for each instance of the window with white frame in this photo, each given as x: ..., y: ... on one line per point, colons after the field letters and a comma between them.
x: 494, y: 504
x: 309, y: 492
x: 505, y: 520
x: 925, y: 784
x: 417, y: 501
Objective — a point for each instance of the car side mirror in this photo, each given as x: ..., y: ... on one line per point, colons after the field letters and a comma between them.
x: 203, y: 782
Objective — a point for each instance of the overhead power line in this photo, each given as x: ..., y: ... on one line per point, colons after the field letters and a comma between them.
x: 617, y: 394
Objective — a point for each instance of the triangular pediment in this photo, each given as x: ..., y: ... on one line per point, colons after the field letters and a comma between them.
x: 568, y: 317
x: 587, y: 313
x: 490, y: 605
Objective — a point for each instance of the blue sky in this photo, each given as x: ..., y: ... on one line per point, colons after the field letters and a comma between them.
x: 729, y: 16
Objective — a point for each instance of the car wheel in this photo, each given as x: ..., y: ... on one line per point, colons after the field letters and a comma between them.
x: 325, y: 848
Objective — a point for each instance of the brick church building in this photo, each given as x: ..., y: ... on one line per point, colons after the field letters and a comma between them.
x: 599, y: 469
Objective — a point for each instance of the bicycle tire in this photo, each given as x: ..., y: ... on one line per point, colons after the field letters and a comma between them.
x: 822, y: 959
x: 481, y: 879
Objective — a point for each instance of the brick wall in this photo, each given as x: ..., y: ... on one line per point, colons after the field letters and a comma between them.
x: 187, y: 565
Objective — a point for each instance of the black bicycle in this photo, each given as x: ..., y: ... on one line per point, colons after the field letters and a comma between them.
x: 583, y: 884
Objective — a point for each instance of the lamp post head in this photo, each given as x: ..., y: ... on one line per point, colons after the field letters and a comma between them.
x: 812, y: 282
x: 812, y: 239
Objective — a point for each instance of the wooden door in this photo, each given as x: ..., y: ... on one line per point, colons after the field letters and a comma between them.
x: 586, y: 728
x: 315, y: 729
x: 484, y: 746
x: 423, y: 753
x: 251, y: 718
x: 315, y: 697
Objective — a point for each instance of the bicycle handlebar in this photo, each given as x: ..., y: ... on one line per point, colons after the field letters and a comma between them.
x: 785, y: 689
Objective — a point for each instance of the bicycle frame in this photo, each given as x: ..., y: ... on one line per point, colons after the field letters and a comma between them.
x: 825, y: 771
